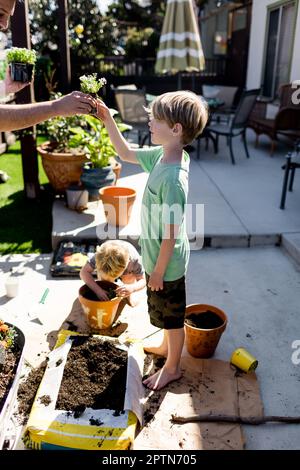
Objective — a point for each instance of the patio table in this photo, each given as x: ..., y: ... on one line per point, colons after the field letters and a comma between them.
x: 214, y: 104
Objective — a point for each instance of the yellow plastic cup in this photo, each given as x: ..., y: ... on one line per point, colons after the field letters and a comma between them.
x: 243, y: 360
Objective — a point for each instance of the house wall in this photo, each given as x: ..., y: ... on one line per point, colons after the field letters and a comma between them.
x: 257, y: 44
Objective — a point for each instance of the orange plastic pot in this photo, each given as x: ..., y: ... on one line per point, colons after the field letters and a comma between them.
x: 117, y: 202
x: 203, y: 342
x: 99, y: 314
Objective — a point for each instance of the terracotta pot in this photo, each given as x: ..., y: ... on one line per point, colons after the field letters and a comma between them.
x: 117, y: 203
x: 99, y: 314
x: 62, y: 169
x: 203, y: 342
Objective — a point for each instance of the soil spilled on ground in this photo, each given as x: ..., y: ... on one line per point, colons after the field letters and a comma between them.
x: 204, y: 320
x: 94, y: 376
x: 27, y: 390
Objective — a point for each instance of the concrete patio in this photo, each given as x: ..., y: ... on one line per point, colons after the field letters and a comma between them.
x: 240, y: 202
x: 258, y: 288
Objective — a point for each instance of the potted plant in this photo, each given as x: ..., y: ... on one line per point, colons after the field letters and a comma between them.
x: 62, y: 164
x: 91, y: 85
x: 101, y: 168
x: 22, y: 63
x: 74, y: 141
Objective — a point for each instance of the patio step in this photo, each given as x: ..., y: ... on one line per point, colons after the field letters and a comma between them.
x: 91, y: 225
x: 291, y: 243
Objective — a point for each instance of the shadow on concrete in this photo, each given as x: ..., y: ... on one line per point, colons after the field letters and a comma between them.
x: 76, y: 321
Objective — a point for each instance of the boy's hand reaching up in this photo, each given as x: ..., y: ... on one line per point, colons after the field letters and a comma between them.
x: 103, y: 112
x: 156, y: 281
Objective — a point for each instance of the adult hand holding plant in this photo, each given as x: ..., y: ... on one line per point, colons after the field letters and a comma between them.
x: 11, y: 86
x: 91, y: 85
x: 73, y: 103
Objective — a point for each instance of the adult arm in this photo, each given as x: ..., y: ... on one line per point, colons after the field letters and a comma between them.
x: 123, y: 149
x: 15, y: 117
x: 86, y: 274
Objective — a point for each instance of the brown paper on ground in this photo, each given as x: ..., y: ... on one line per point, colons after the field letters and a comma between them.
x: 207, y: 386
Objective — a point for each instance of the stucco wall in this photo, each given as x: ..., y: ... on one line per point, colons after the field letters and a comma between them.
x: 257, y: 44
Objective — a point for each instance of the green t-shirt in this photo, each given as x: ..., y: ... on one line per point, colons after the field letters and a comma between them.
x: 163, y: 203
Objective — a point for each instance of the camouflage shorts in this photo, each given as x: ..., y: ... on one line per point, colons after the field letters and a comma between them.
x: 167, y: 307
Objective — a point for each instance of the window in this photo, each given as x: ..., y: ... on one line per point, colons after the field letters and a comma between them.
x: 279, y: 49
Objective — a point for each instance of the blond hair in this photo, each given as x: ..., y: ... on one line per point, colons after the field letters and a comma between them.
x: 111, y: 259
x: 185, y: 108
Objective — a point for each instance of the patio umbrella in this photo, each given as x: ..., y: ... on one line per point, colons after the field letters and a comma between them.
x: 180, y: 46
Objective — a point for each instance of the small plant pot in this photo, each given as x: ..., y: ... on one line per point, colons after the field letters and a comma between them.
x: 117, y: 204
x: 99, y: 314
x: 77, y: 197
x: 202, y: 341
x: 62, y: 169
x: 21, y: 72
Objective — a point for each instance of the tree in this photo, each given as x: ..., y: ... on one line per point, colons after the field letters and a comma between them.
x: 91, y: 34
x: 139, y: 25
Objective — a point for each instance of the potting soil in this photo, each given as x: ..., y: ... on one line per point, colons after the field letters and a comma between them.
x: 80, y: 424
x: 204, y: 320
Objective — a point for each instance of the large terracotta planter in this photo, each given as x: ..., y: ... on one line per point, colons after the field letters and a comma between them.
x: 203, y: 342
x: 117, y: 203
x: 62, y: 169
x: 99, y: 314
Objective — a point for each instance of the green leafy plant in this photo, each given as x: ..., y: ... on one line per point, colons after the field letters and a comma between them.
x: 59, y: 131
x: 21, y: 54
x: 95, y: 141
x: 90, y: 83
x: 82, y: 134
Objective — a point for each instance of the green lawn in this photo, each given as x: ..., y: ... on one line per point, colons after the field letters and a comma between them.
x: 25, y: 225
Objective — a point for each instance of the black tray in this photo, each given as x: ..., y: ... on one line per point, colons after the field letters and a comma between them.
x: 70, y: 256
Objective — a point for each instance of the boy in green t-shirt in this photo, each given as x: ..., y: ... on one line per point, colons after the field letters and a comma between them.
x: 176, y: 118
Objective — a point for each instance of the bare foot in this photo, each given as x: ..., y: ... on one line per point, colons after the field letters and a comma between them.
x: 161, y: 378
x: 159, y: 350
